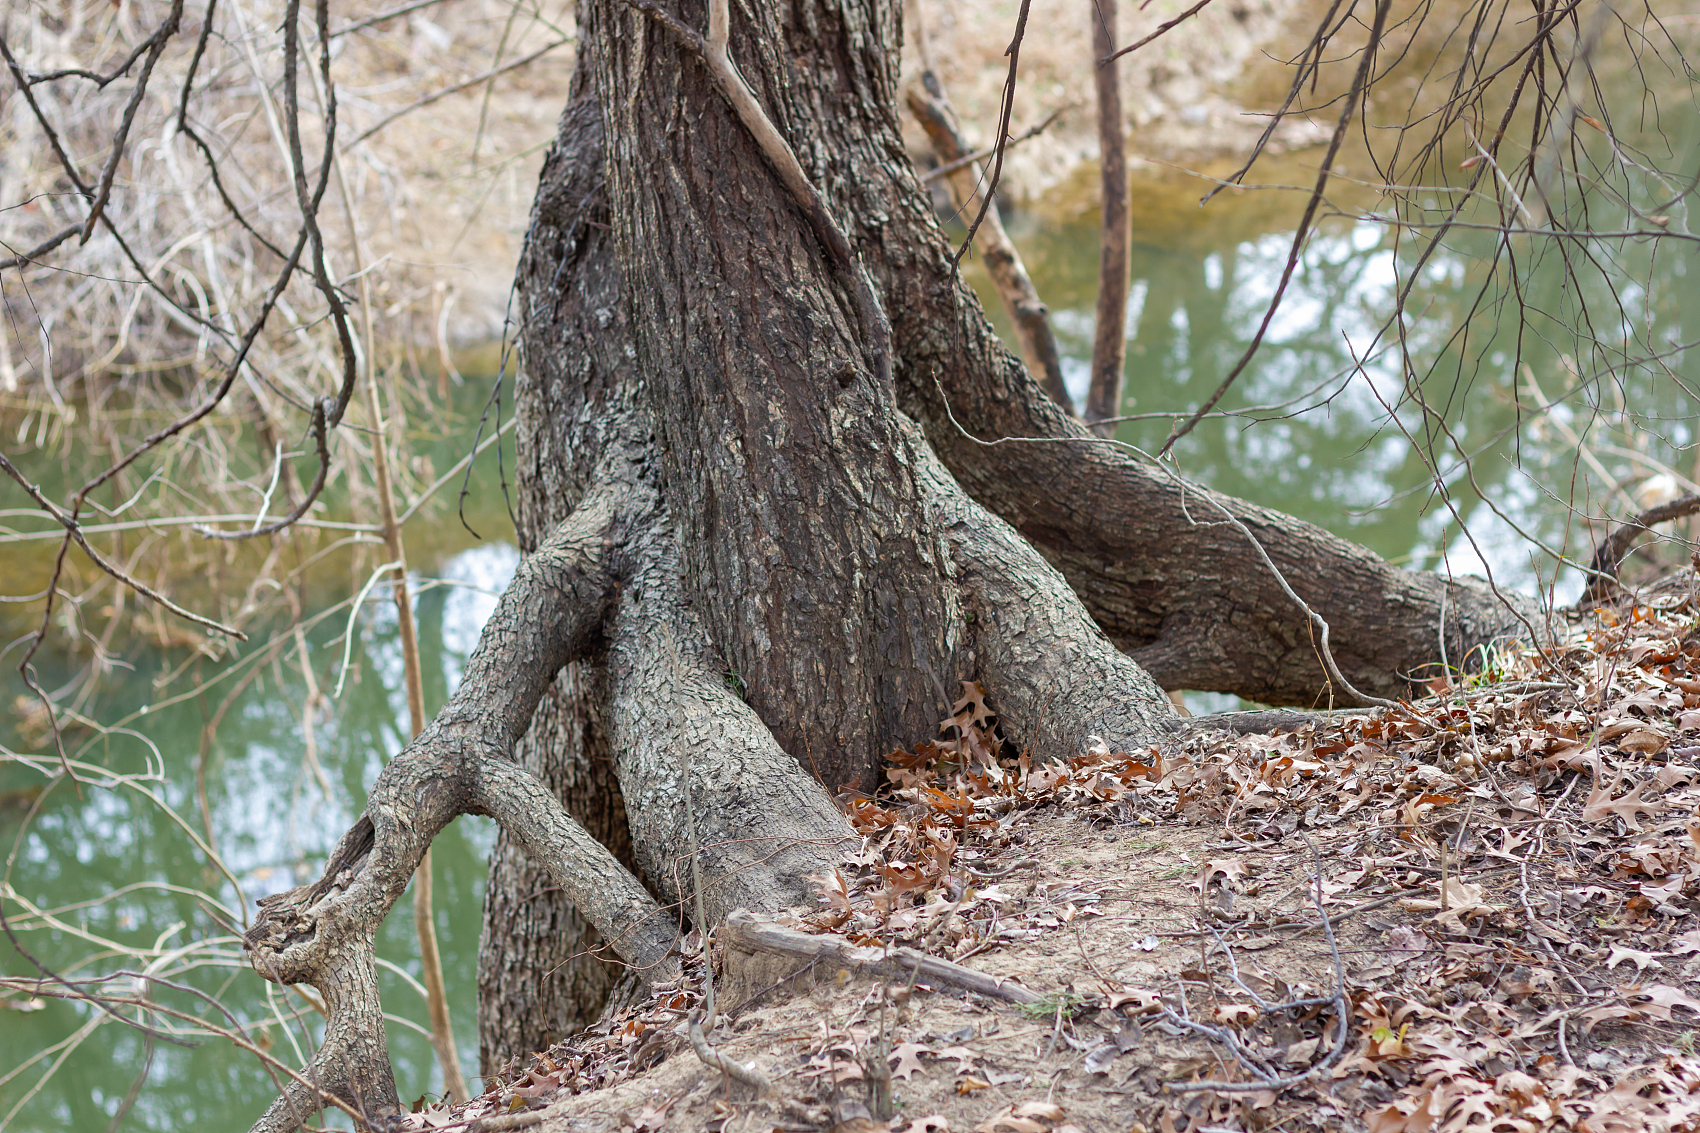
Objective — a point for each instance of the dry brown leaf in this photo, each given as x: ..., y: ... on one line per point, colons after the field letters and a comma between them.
x: 1601, y: 806
x: 1048, y: 1111
x: 908, y: 1059
x: 1231, y: 869
x: 964, y: 1057
x: 1100, y: 1058
x: 1641, y: 960
x: 1462, y: 900
x: 1611, y: 1013
x: 934, y: 1123
x: 1022, y: 1117
x: 973, y: 703
x: 1643, y: 742
x: 1142, y: 1001
x: 1236, y: 1014
x: 1661, y: 998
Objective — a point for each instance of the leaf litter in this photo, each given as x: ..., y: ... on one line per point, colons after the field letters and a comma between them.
x: 1510, y: 874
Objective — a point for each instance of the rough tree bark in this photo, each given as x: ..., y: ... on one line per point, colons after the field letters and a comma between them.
x: 760, y: 561
x: 539, y: 976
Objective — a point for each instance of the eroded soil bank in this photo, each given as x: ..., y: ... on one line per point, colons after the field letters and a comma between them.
x: 1509, y: 873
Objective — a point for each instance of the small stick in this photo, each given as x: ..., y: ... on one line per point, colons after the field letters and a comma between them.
x: 1443, y: 902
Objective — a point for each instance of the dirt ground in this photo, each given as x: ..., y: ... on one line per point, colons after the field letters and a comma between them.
x: 1509, y: 870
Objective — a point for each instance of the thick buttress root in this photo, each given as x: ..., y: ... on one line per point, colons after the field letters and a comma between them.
x: 1053, y: 676
x: 759, y: 822
x: 607, y: 579
x: 683, y: 737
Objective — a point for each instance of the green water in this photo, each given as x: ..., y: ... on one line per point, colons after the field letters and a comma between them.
x: 275, y: 825
x: 275, y: 818
x: 1606, y: 344
x: 1201, y: 279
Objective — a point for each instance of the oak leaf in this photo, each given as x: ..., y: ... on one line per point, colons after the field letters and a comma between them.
x: 908, y: 1059
x: 973, y: 702
x: 1643, y: 741
x: 1661, y: 998
x: 1601, y: 806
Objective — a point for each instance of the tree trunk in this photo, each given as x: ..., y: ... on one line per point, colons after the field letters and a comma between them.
x: 748, y: 541
x: 539, y: 976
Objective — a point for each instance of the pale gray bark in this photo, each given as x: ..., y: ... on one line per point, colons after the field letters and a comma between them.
x: 763, y: 823
x: 321, y: 934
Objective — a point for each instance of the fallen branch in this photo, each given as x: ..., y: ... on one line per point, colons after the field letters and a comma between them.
x: 949, y: 167
x: 1262, y: 721
x: 1609, y: 556
x: 1266, y: 1079
x: 753, y: 935
x: 1027, y: 314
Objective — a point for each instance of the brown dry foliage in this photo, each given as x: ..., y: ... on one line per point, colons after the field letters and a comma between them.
x: 1553, y: 987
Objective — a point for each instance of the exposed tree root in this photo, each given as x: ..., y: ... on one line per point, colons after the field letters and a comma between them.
x: 322, y: 934
x: 765, y: 822
x: 1052, y: 674
x: 1263, y: 721
x: 1177, y: 590
x: 811, y: 580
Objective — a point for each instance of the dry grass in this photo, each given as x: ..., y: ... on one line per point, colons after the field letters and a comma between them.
x: 422, y: 215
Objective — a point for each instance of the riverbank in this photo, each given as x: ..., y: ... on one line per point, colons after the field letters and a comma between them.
x: 1476, y: 911
x: 1194, y: 96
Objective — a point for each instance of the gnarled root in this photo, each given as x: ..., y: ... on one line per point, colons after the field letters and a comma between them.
x: 1185, y: 595
x: 764, y: 821
x: 322, y: 934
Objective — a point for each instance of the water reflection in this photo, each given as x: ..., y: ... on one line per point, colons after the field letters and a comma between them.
x: 275, y: 817
x: 1328, y: 427
x: 1331, y: 452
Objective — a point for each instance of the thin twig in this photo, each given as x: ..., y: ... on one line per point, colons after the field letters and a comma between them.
x: 967, y: 159
x: 1266, y: 1081
x: 1360, y: 88
x: 1004, y: 112
x: 73, y: 530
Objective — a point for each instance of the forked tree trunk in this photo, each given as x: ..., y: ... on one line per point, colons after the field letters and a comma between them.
x: 745, y: 550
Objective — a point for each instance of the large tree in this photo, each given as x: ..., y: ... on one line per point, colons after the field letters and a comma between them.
x: 782, y: 488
